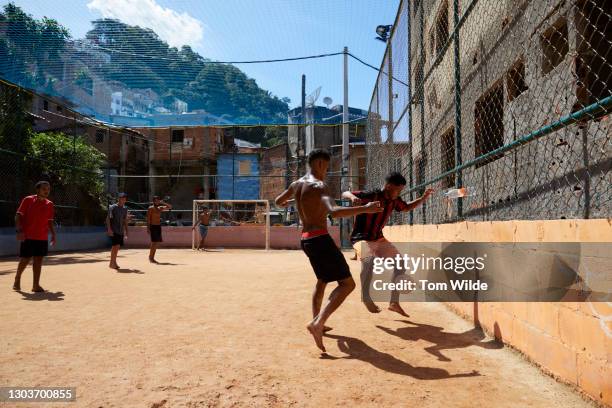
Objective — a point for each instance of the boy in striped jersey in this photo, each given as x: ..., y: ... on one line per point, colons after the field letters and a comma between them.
x: 367, y: 232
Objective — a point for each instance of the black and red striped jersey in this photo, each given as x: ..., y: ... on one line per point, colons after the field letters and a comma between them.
x: 368, y: 227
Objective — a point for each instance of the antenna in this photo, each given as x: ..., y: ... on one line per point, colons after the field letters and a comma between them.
x: 327, y: 101
x: 312, y: 98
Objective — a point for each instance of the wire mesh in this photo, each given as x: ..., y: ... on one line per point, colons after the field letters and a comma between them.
x: 507, y: 99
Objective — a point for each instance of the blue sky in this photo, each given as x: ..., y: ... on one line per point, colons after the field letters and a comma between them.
x: 252, y: 30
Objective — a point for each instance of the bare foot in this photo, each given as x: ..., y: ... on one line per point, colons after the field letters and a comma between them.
x: 16, y: 287
x: 327, y: 328
x: 113, y: 266
x: 38, y: 289
x: 395, y: 307
x: 153, y: 260
x: 371, y: 306
x: 317, y: 333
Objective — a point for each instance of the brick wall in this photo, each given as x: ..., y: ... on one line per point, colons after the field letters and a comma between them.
x: 272, y: 170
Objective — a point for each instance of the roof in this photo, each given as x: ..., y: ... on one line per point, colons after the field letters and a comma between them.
x: 244, y: 143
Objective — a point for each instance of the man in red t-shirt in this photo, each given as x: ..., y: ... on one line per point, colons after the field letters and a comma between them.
x: 33, y: 221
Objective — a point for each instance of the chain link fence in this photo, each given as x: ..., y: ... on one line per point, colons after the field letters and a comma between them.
x: 508, y: 99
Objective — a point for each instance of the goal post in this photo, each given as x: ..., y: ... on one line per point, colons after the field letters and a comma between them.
x: 240, y: 213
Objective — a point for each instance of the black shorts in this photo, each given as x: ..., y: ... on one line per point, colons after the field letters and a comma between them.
x: 117, y: 239
x: 33, y: 247
x: 326, y: 259
x: 156, y: 235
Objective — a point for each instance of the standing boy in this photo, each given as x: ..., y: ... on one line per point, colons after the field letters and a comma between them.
x: 154, y: 224
x: 117, y: 227
x: 203, y: 221
x: 33, y: 221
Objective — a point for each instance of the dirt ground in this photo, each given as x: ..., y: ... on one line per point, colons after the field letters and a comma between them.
x: 227, y: 329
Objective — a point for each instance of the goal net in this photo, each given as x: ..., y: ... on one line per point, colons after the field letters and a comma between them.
x: 232, y: 223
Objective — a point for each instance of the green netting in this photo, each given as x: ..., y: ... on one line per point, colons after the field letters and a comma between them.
x: 128, y: 75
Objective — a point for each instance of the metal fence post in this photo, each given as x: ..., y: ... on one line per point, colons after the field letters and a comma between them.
x: 390, y: 127
x: 410, y: 159
x: 458, y: 178
x: 422, y: 101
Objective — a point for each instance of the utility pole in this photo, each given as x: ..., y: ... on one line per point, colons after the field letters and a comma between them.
x: 344, y: 183
x: 345, y: 127
x: 302, y: 134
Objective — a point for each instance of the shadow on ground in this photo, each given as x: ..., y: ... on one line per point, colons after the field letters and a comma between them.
x: 442, y: 340
x: 358, y: 349
x: 72, y: 259
x: 128, y: 270
x: 50, y: 296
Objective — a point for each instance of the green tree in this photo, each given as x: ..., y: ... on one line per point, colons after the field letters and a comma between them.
x: 68, y: 161
x: 33, y: 48
x: 33, y: 53
x: 15, y: 123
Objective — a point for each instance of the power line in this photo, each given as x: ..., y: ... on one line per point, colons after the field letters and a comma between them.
x: 221, y: 62
x: 377, y: 69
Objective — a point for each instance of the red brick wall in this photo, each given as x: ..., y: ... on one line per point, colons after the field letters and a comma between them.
x: 272, y: 163
x: 204, y: 143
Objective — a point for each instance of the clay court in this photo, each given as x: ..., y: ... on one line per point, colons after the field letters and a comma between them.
x: 227, y: 328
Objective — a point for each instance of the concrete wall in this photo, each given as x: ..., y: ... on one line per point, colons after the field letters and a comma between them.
x: 571, y: 341
x: 231, y: 237
x: 68, y: 239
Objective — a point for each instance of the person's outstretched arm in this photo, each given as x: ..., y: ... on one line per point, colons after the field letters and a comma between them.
x: 283, y: 199
x: 348, y: 195
x: 411, y: 205
x: 342, y: 212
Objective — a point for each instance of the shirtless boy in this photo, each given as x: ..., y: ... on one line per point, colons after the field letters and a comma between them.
x: 154, y: 224
x: 203, y: 222
x: 314, y: 204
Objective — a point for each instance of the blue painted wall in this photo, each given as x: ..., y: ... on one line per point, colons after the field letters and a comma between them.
x: 238, y: 188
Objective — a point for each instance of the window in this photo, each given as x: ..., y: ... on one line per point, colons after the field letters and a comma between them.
x: 46, y: 105
x: 515, y: 80
x: 418, y: 82
x: 442, y: 27
x: 361, y: 171
x: 447, y: 153
x: 59, y: 109
x: 594, y: 59
x: 100, y: 136
x: 244, y: 167
x: 420, y: 164
x: 554, y: 46
x: 489, y: 123
x: 178, y: 135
